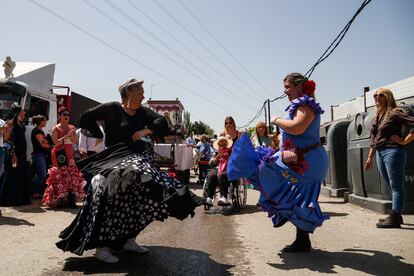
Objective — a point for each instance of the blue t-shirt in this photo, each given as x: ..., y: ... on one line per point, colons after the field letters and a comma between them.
x: 205, y: 150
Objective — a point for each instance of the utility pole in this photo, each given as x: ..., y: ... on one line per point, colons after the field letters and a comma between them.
x: 268, y: 116
x: 152, y: 84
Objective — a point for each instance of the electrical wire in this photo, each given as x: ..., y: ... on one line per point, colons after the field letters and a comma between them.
x: 338, y: 38
x: 210, y: 82
x: 128, y: 56
x: 329, y: 51
x: 185, y: 47
x: 221, y: 44
x: 206, y: 48
x: 255, y: 116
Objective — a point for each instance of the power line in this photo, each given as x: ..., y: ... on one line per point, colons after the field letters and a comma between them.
x: 221, y: 44
x: 340, y: 36
x: 184, y: 46
x: 127, y: 56
x: 328, y: 51
x: 212, y: 83
x: 255, y: 116
x: 206, y: 48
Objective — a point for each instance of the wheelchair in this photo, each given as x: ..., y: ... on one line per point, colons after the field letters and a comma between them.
x: 237, y: 194
x: 203, y: 168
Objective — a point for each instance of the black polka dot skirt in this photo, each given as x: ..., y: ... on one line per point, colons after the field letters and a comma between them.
x: 125, y: 196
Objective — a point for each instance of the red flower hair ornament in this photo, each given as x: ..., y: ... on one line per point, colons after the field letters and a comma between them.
x: 309, y: 87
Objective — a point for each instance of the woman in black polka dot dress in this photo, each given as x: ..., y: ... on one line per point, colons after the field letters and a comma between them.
x: 125, y: 193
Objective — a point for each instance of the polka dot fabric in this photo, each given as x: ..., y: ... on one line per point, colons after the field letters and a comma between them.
x: 110, y: 217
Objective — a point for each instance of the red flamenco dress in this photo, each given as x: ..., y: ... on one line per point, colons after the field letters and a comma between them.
x: 64, y: 179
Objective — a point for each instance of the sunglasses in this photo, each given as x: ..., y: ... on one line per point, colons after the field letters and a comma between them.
x: 379, y: 96
x: 66, y: 114
x: 228, y: 123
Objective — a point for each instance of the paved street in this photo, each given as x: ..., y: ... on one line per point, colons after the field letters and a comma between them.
x: 216, y: 242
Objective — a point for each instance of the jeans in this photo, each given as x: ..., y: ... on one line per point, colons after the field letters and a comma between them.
x: 391, y: 163
x: 39, y: 161
x: 1, y: 161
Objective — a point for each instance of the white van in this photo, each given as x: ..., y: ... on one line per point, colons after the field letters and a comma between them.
x: 32, y: 88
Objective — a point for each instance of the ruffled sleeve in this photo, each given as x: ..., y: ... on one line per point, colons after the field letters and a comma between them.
x: 302, y: 101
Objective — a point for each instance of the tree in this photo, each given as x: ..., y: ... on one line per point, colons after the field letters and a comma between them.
x: 188, y: 126
x: 250, y: 131
x: 200, y: 127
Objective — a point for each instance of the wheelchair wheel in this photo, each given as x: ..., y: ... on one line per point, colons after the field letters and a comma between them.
x: 232, y: 197
x: 241, y: 194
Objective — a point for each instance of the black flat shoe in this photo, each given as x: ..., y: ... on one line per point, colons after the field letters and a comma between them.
x: 297, y: 247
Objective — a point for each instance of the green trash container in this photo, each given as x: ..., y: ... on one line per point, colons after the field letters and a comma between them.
x: 368, y: 188
x: 334, y: 140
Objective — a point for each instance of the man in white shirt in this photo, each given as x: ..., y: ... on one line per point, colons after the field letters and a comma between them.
x: 89, y: 145
x: 190, y: 140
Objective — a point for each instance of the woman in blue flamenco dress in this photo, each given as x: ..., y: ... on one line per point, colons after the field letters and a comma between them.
x: 288, y: 180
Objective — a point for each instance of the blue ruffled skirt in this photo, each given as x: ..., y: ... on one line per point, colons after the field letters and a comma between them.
x: 284, y: 194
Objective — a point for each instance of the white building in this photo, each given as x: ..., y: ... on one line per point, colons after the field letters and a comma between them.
x: 403, y: 91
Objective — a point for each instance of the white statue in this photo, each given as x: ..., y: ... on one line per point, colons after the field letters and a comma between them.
x: 9, y: 67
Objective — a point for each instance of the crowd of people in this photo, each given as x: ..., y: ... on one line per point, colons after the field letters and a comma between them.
x: 52, y: 175
x: 107, y: 164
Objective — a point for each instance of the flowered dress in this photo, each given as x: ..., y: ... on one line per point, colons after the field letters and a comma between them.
x: 286, y: 193
x: 66, y: 179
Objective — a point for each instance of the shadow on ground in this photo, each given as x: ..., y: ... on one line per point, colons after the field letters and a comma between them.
x: 366, y: 261
x: 334, y: 214
x: 160, y: 261
x: 14, y: 221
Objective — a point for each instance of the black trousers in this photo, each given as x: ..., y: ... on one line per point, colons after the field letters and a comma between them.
x: 213, y: 179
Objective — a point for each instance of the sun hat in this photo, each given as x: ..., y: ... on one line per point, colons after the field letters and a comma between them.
x: 222, y: 138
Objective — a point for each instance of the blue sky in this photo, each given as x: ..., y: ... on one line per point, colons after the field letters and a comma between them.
x: 266, y: 38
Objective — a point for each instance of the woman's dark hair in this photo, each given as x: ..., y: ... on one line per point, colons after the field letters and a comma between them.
x: 129, y: 85
x: 62, y: 109
x: 295, y: 78
x: 36, y: 120
x: 298, y: 78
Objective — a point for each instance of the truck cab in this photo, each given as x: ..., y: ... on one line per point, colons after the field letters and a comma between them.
x: 32, y: 88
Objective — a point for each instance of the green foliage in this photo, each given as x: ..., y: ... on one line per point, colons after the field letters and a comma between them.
x: 200, y: 127
x: 188, y: 126
x: 250, y: 131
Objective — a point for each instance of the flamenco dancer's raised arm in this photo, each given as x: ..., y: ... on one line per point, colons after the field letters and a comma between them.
x: 125, y: 192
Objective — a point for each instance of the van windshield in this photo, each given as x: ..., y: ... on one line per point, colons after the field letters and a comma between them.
x: 6, y: 100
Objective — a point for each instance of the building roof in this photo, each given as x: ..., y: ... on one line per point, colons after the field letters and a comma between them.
x: 168, y: 105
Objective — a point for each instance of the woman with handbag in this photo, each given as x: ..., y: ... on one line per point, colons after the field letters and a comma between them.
x: 289, y: 180
x: 65, y: 183
x: 125, y: 191
x: 14, y: 185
